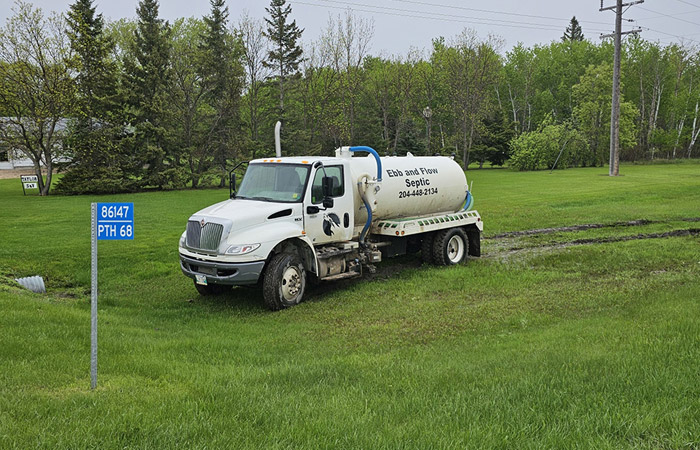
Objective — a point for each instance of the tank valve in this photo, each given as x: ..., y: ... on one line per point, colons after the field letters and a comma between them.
x: 365, y: 181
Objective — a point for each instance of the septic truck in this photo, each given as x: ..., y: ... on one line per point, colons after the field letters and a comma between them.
x: 300, y: 220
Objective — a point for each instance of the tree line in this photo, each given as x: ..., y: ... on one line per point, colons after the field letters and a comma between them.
x: 144, y: 103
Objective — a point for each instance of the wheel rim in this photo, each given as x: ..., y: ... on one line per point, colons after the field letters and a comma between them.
x: 291, y: 283
x: 455, y: 249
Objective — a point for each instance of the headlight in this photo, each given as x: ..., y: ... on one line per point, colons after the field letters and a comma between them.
x: 182, y: 239
x: 241, y: 249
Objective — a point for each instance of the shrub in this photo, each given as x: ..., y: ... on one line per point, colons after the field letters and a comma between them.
x: 96, y: 180
x: 539, y: 150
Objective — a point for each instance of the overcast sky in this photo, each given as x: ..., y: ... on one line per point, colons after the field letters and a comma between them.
x: 403, y: 24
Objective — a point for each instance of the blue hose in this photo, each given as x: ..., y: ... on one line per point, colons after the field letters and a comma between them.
x: 363, y: 234
x: 468, y: 202
x: 374, y: 153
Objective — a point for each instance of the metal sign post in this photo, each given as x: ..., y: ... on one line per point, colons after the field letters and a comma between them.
x: 93, y: 299
x: 109, y: 221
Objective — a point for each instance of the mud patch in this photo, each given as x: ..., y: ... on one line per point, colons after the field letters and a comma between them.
x: 506, y: 244
x: 385, y: 270
x: 602, y: 240
x: 636, y: 237
x: 589, y: 226
x: 584, y: 227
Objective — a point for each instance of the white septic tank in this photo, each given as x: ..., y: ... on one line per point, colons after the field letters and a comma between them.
x: 411, y: 186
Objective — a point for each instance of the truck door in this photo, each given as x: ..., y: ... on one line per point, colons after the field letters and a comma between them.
x: 332, y: 224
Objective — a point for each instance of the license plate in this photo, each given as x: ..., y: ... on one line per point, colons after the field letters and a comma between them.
x: 200, y: 279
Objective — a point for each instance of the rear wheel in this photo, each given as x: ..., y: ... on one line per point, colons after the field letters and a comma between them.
x: 284, y: 281
x: 212, y: 289
x: 450, y: 247
x: 426, y: 251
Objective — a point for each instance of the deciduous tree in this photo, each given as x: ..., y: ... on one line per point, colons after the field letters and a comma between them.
x: 592, y: 113
x: 255, y: 50
x: 37, y: 91
x: 473, y: 68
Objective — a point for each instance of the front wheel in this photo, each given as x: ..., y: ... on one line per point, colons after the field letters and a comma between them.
x: 284, y: 281
x: 450, y: 247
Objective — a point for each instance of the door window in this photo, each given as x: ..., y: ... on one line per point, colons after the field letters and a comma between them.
x: 335, y: 173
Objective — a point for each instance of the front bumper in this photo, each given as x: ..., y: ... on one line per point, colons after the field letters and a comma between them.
x: 221, y: 272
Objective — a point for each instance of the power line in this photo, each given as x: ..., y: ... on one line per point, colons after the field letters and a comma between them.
x: 669, y: 34
x: 670, y: 16
x: 665, y: 15
x: 491, y: 21
x: 398, y: 12
x: 430, y: 15
x: 688, y: 3
x: 505, y: 13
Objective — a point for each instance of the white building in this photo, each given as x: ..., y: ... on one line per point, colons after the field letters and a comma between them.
x: 11, y: 159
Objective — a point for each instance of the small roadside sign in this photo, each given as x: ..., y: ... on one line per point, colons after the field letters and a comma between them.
x: 115, y: 221
x: 110, y: 222
x: 29, y: 182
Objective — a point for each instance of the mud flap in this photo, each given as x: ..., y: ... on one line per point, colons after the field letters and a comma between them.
x: 474, y: 237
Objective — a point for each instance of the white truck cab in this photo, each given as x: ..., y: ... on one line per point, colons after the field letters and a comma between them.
x: 328, y: 218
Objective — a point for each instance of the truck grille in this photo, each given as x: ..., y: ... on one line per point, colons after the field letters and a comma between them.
x: 204, y: 237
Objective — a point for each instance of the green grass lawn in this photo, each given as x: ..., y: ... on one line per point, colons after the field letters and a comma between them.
x: 540, y: 343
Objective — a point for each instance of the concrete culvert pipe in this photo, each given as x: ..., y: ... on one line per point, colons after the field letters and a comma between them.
x: 34, y: 284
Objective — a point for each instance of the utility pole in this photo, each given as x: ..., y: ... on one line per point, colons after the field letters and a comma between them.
x: 615, y: 113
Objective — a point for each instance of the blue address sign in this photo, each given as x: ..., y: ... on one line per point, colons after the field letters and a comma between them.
x: 115, y: 221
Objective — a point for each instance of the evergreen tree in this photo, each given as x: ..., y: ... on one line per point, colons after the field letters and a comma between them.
x: 573, y: 31
x: 96, y: 77
x: 215, y: 44
x: 96, y: 162
x: 221, y: 74
x: 147, y: 78
x: 285, y: 55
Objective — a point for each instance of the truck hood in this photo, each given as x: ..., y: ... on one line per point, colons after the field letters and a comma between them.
x: 241, y: 213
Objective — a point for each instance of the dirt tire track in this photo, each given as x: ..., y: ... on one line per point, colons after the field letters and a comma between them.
x: 603, y: 240
x: 583, y: 227
x: 636, y: 237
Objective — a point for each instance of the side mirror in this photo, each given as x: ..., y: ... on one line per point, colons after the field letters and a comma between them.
x: 232, y: 184
x: 327, y: 186
x: 312, y: 209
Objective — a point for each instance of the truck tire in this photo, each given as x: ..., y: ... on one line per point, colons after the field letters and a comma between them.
x: 284, y: 281
x: 450, y: 247
x: 212, y: 289
x: 426, y: 251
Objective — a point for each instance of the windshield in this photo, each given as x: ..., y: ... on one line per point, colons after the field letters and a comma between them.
x: 274, y: 182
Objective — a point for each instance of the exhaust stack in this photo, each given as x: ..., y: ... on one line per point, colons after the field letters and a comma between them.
x: 278, y: 144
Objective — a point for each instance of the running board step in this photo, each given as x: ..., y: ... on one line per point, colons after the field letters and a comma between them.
x: 331, y: 252
x: 341, y: 276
